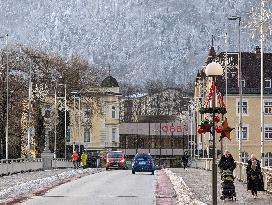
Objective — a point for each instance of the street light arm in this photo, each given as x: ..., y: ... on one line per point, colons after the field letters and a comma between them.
x: 233, y: 18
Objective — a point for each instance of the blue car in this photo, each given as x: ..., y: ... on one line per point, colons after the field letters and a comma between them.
x: 143, y: 163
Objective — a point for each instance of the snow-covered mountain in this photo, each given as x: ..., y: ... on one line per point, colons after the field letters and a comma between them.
x: 140, y: 39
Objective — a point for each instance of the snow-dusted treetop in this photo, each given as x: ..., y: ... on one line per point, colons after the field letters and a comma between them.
x: 140, y: 39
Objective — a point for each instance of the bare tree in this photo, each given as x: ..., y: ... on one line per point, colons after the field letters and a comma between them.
x: 46, y: 70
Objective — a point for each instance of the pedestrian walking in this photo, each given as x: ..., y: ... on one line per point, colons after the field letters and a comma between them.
x: 254, y: 176
x: 227, y: 162
x: 84, y: 159
x: 185, y: 159
x: 75, y: 158
x: 79, y: 160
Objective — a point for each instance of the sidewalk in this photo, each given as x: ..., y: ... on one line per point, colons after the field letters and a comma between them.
x: 165, y: 193
x: 17, y: 187
x: 200, y: 183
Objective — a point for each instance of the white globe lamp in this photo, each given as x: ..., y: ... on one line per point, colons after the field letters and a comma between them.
x: 214, y: 69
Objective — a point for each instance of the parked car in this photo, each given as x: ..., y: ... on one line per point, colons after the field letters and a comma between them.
x: 143, y: 163
x: 115, y: 160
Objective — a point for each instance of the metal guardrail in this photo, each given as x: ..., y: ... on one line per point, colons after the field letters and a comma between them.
x: 10, y: 166
x: 239, y: 172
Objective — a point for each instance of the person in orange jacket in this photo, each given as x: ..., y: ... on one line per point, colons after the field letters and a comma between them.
x: 75, y: 158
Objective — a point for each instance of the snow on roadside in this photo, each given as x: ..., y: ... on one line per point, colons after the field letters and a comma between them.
x: 184, y: 194
x: 27, y: 187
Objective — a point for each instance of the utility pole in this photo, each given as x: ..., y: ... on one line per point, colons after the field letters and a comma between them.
x: 29, y: 110
x: 7, y: 92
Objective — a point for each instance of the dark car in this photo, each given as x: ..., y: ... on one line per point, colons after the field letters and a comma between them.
x: 115, y: 160
x: 143, y: 163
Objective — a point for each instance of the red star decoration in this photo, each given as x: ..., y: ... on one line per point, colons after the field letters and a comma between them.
x: 226, y: 130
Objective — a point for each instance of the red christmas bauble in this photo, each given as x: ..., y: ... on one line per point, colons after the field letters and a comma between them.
x: 200, y: 130
x: 216, y: 119
x: 207, y: 128
x: 218, y: 129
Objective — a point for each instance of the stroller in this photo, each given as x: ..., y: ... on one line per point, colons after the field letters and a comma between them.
x: 227, y: 184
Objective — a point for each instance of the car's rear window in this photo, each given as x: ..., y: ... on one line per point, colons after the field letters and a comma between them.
x: 143, y: 156
x: 115, y: 154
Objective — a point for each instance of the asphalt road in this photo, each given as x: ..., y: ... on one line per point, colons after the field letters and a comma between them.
x: 115, y: 187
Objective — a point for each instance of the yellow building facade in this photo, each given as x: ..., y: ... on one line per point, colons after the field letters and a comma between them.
x: 94, y: 121
x: 251, y: 118
x: 251, y: 142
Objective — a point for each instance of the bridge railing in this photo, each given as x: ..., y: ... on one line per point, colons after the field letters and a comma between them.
x: 239, y: 172
x: 10, y: 166
x: 61, y: 163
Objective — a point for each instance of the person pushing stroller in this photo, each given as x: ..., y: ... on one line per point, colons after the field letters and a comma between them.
x: 226, y: 166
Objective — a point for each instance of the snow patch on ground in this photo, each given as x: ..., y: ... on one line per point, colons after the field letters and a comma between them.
x: 21, y: 189
x: 184, y: 194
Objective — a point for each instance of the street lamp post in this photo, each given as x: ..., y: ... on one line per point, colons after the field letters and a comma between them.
x: 7, y: 96
x: 212, y: 70
x: 79, y: 115
x: 262, y: 14
x: 149, y: 136
x: 65, y: 121
x: 191, y: 111
x: 29, y: 110
x: 55, y: 123
x: 240, y: 86
x: 160, y: 143
x: 172, y: 139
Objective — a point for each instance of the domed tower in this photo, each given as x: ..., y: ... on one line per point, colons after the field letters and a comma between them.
x: 111, y: 84
x: 109, y: 130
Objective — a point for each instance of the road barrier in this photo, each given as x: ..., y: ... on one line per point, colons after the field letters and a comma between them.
x: 239, y: 172
x: 10, y: 166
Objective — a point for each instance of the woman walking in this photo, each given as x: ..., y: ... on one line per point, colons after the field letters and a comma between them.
x: 254, y: 176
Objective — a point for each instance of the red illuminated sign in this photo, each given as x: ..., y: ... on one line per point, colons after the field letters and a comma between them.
x: 171, y: 128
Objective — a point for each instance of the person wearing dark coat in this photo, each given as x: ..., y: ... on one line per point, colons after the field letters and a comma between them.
x: 227, y: 162
x: 185, y: 159
x: 254, y: 176
x: 79, y: 160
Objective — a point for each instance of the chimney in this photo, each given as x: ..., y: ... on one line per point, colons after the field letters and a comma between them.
x: 258, y: 52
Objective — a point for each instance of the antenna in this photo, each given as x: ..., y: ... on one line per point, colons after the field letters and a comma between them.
x: 212, y: 40
x: 109, y: 70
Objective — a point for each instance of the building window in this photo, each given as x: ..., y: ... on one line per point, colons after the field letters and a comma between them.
x: 268, y: 132
x: 243, y: 83
x: 268, y: 107
x: 244, y: 133
x: 244, y: 107
x: 87, y: 137
x: 268, y: 159
x: 244, y: 157
x: 267, y: 83
x: 113, y: 134
x: 113, y: 112
x: 68, y: 134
